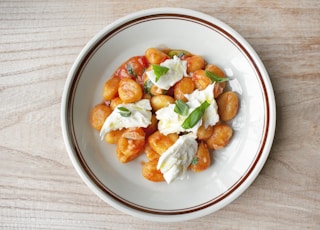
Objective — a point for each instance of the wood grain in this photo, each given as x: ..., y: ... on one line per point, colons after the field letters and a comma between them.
x: 39, y: 188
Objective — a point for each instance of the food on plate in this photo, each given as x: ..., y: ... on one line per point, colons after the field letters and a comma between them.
x: 170, y: 105
x: 220, y: 136
x: 98, y: 115
x: 228, y: 104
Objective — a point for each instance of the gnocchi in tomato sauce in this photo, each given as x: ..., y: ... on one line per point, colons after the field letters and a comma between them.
x: 170, y: 105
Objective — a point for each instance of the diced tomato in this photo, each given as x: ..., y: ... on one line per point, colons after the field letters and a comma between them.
x: 121, y: 72
x: 136, y: 66
x: 133, y: 68
x: 143, y: 61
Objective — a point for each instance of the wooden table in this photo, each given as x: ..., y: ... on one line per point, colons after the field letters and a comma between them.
x: 39, y: 41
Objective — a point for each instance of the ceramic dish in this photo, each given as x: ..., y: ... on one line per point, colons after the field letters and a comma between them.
x: 233, y: 169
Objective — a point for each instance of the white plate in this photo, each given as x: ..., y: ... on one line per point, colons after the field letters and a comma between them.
x: 233, y: 169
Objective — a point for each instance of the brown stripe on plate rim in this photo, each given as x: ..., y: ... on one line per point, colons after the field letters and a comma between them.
x: 75, y: 80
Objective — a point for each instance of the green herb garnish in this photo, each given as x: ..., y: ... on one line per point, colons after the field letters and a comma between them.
x: 130, y: 70
x: 216, y: 78
x: 147, y: 86
x: 195, y: 116
x: 181, y: 108
x: 124, y: 111
x: 195, y: 160
x: 159, y: 71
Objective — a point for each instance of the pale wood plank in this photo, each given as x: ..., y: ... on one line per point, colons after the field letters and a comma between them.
x: 39, y: 187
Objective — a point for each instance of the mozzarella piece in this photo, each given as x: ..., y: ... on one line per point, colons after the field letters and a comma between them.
x: 177, y: 69
x: 140, y: 117
x: 174, y: 162
x: 197, y: 97
x: 171, y: 122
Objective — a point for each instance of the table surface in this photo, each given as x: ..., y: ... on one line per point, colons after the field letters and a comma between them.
x: 39, y: 41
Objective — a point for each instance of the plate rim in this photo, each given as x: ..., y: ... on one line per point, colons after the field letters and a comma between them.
x: 268, y: 135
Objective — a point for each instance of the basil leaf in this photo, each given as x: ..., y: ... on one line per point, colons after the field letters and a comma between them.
x: 216, y: 78
x: 124, y: 111
x: 181, y: 108
x: 195, y: 116
x: 159, y: 71
x: 195, y: 160
x: 130, y: 70
x: 147, y: 86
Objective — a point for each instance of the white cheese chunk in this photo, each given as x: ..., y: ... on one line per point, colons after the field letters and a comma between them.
x: 174, y: 162
x: 140, y: 116
x: 171, y: 122
x: 177, y: 69
x: 197, y: 97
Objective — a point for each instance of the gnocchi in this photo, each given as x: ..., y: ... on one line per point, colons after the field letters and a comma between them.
x: 130, y: 144
x: 130, y: 83
x: 160, y: 142
x: 194, y: 63
x: 98, y: 115
x: 129, y: 90
x: 160, y: 101
x: 228, y: 104
x: 218, y: 86
x: 110, y: 89
x: 150, y: 171
x: 220, y: 136
x: 202, y: 160
x: 155, y: 56
x: 184, y: 86
x: 113, y: 137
